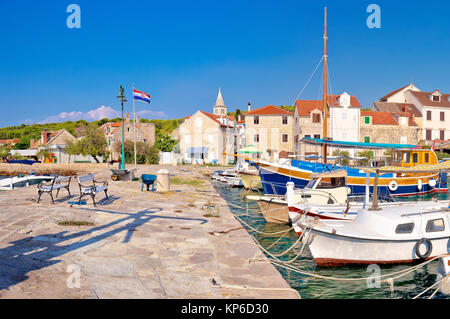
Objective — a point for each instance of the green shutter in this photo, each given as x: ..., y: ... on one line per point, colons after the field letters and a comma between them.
x: 367, y: 120
x: 366, y: 139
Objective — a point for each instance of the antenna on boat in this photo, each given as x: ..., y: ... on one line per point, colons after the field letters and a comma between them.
x: 325, y: 98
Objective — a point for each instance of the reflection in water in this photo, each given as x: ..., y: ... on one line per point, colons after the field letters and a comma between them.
x: 407, y: 286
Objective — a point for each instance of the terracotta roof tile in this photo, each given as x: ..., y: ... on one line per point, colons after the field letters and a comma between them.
x: 304, y: 107
x: 384, y: 98
x: 269, y: 110
x: 397, y: 107
x: 380, y: 118
x: 424, y: 99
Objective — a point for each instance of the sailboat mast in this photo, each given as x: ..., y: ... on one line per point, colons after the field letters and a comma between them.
x: 325, y: 97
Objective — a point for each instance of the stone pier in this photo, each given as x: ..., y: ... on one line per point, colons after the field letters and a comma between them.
x: 133, y: 245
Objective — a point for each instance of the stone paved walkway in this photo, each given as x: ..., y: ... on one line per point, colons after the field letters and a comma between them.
x: 140, y: 245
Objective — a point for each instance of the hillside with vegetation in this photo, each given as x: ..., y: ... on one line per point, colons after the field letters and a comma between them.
x: 26, y: 132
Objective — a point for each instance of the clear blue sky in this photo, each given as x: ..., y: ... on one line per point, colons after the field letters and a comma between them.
x: 181, y: 52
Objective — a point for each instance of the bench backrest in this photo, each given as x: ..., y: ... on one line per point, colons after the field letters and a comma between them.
x: 85, y: 178
x: 62, y: 179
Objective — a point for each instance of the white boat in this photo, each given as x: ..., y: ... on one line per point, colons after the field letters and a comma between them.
x: 234, y: 181
x: 394, y: 234
x: 23, y: 181
x: 325, y: 196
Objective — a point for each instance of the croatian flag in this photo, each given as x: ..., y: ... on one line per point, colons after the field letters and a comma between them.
x: 144, y: 97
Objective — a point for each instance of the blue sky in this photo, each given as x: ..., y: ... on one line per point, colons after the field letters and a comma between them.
x: 181, y: 52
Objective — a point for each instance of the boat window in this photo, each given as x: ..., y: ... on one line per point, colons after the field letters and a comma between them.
x: 415, y: 158
x: 406, y: 157
x: 427, y: 157
x: 435, y: 225
x: 404, y: 228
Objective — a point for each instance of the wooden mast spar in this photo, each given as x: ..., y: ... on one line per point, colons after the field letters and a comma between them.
x: 325, y: 98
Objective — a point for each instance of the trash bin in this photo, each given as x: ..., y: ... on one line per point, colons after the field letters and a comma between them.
x: 163, y: 179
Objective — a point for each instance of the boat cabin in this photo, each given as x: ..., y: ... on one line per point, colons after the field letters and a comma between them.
x: 413, y: 157
x: 327, y: 188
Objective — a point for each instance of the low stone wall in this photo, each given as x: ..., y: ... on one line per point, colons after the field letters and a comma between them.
x: 63, y: 169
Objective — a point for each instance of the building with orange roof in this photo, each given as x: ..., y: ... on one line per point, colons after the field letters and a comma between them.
x: 270, y: 128
x: 431, y: 110
x: 205, y: 137
x: 388, y: 127
x: 342, y: 121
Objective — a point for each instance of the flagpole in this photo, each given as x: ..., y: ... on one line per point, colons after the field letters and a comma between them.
x: 134, y: 128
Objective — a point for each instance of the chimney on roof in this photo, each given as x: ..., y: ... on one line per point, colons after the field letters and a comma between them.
x: 405, y: 107
x: 249, y: 106
x: 44, y: 137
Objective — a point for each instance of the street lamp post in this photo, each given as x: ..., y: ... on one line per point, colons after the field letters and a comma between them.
x: 122, y: 100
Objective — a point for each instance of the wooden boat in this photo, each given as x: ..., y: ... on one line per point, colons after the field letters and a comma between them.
x: 273, y: 208
x: 251, y: 179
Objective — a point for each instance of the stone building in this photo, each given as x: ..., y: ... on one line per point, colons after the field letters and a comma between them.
x: 56, y: 143
x: 387, y: 127
x: 210, y: 138
x: 270, y: 129
x: 431, y: 111
x: 145, y: 132
x: 342, y: 121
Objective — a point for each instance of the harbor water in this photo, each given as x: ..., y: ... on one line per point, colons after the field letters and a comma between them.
x: 311, y: 287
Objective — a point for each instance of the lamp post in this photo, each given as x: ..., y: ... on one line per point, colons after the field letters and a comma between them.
x: 122, y: 100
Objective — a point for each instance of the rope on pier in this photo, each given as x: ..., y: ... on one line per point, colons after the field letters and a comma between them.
x: 215, y: 284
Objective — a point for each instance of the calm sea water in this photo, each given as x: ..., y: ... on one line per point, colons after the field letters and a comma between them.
x: 312, y: 288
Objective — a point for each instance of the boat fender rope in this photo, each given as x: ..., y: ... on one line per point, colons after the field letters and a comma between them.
x: 428, y: 252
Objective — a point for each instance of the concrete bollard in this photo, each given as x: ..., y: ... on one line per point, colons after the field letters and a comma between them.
x: 163, y: 179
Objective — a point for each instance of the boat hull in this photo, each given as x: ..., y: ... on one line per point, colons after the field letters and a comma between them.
x: 275, y: 177
x: 274, y: 212
x: 335, y: 250
x: 250, y: 180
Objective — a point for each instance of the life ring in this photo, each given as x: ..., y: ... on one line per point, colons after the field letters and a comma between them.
x: 419, y: 184
x: 393, y: 186
x: 432, y: 182
x: 428, y: 252
x: 114, y: 177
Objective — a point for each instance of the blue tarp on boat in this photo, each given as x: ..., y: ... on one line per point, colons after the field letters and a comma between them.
x: 347, y: 144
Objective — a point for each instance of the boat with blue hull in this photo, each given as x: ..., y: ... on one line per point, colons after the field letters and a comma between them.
x: 275, y: 176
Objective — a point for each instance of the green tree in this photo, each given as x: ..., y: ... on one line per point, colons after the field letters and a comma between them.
x: 73, y: 148
x: 94, y: 143
x: 165, y: 143
x: 152, y: 156
x: 4, y: 150
x: 342, y: 161
x: 368, y: 154
x: 43, y: 153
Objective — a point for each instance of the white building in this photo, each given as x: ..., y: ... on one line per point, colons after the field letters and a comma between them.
x: 210, y: 138
x: 433, y: 107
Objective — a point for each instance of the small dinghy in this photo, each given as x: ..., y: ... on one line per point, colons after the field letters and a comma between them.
x: 23, y: 181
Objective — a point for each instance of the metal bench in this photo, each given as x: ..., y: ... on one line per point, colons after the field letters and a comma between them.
x: 58, y: 183
x: 91, y: 188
